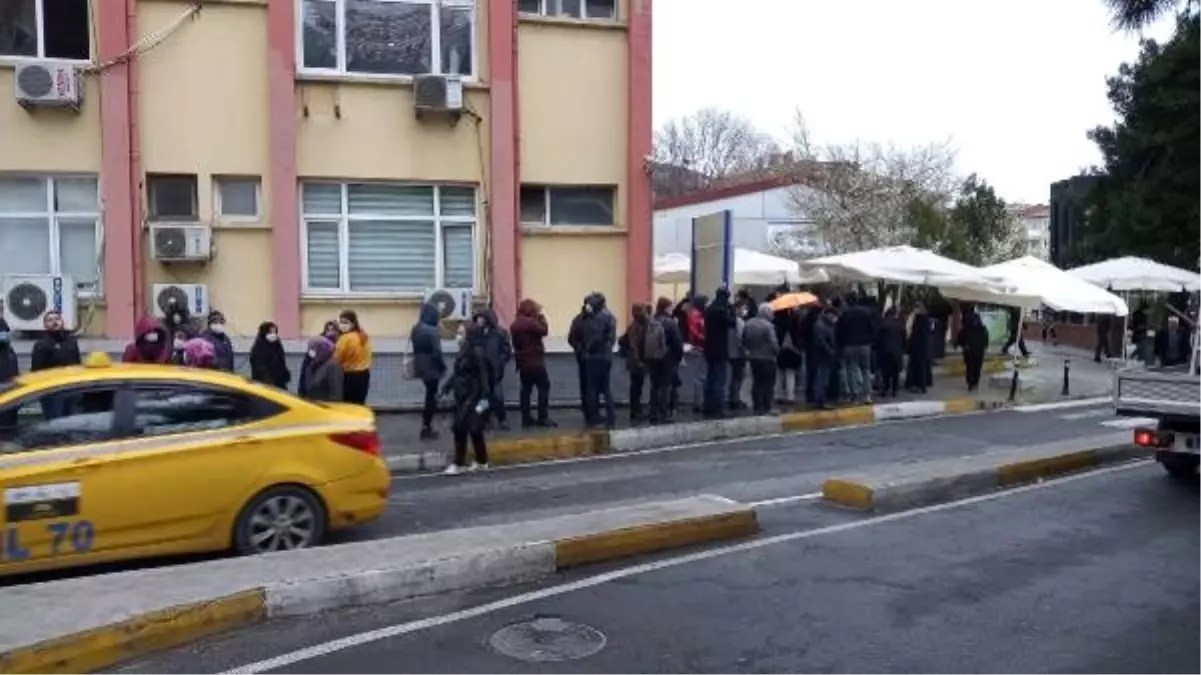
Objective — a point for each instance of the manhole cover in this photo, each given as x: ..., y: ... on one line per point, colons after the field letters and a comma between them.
x: 548, y: 639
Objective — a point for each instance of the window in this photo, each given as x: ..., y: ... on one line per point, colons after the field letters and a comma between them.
x: 49, y: 29
x: 171, y: 197
x: 576, y: 9
x: 387, y: 237
x: 50, y: 225
x: 236, y: 198
x: 388, y: 37
x: 177, y: 409
x: 567, y: 205
x: 74, y: 417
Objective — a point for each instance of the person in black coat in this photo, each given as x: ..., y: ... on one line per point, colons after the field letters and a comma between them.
x: 9, y: 369
x: 470, y: 385
x: 719, y: 320
x: 890, y: 352
x: 973, y: 340
x: 919, y: 374
x: 57, y: 348
x: 428, y: 364
x: 268, y: 364
x: 1014, y: 324
x: 1104, y: 326
x: 824, y: 355
x: 330, y: 333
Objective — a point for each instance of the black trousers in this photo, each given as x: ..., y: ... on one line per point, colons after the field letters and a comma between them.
x: 663, y: 375
x: 1102, y: 346
x: 637, y: 384
x: 763, y: 384
x: 478, y: 444
x: 430, y: 405
x: 890, y: 373
x: 973, y: 362
x: 534, y: 377
x: 737, y: 375
x: 1019, y: 340
x: 355, y: 385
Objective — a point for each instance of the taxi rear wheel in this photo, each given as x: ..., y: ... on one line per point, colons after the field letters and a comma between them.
x: 283, y: 518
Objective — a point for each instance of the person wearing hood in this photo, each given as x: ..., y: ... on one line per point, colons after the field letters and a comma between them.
x: 633, y: 346
x: 497, y: 351
x: 719, y: 323
x: 55, y: 349
x: 330, y: 333
x: 429, y: 365
x: 354, y: 355
x: 268, y: 364
x: 575, y: 339
x: 890, y: 346
x: 199, y: 353
x: 321, y: 375
x: 762, y: 349
x: 223, y: 348
x: 527, y: 332
x: 179, y: 330
x: 663, y: 361
x: 470, y: 385
x: 973, y: 340
x: 737, y: 352
x: 918, y: 372
x: 824, y: 356
x: 694, y: 353
x: 598, y: 335
x: 150, y: 343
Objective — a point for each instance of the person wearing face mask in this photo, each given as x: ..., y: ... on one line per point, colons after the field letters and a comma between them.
x: 223, y: 348
x: 268, y: 364
x: 470, y: 386
x: 9, y: 368
x: 353, y: 354
x: 322, y: 377
x: 149, y: 345
x: 199, y: 353
x: 330, y: 333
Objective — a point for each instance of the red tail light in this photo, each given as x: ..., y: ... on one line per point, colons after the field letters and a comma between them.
x: 1149, y: 438
x: 363, y: 441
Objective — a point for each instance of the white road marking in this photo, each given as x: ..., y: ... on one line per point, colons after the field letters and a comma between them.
x: 350, y: 641
x: 1130, y: 422
x: 1088, y: 414
x: 698, y: 444
x: 1057, y: 405
x: 780, y: 501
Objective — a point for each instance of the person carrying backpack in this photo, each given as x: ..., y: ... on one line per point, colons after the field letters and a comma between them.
x: 633, y: 345
x: 662, y: 351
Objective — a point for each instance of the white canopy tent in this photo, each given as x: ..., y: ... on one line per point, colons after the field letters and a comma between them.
x: 1138, y: 274
x: 909, y: 265
x: 751, y: 268
x: 1029, y: 277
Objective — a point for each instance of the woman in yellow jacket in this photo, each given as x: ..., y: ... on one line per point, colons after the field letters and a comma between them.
x: 353, y: 353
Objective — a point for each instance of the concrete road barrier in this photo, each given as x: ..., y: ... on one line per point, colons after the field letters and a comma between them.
x: 906, y: 486
x: 91, y: 623
x: 507, y: 451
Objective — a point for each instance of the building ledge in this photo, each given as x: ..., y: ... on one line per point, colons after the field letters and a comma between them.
x: 472, y: 84
x: 593, y: 24
x: 573, y: 231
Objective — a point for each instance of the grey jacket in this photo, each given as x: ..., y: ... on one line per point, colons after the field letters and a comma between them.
x: 323, y: 381
x: 759, y: 336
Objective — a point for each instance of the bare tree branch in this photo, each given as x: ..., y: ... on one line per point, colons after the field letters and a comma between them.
x: 700, y: 149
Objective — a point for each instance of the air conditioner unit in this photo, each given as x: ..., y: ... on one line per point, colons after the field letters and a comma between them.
x: 28, y: 297
x: 48, y: 84
x: 438, y: 93
x: 171, y: 297
x: 454, y: 304
x: 181, y: 242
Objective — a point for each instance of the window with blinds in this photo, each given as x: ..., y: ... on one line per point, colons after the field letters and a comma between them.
x: 387, y: 237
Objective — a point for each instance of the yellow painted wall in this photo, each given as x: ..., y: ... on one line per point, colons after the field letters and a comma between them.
x: 383, y: 318
x: 573, y: 91
x: 204, y: 111
x: 559, y: 270
x: 47, y: 140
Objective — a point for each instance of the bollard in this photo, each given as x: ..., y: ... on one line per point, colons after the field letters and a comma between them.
x: 1066, y: 370
x: 1013, y: 385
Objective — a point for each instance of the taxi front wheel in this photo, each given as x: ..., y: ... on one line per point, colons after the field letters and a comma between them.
x: 282, y: 518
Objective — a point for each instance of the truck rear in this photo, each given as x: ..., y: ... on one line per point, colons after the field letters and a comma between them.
x: 1172, y: 397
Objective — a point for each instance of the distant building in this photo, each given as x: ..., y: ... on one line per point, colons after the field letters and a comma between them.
x: 1067, y: 220
x: 1035, y: 222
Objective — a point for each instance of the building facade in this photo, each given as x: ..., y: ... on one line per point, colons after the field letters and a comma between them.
x: 1068, y: 220
x: 282, y: 138
x: 1035, y: 222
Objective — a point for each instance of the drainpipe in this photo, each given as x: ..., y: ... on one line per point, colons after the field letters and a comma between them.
x: 135, y: 162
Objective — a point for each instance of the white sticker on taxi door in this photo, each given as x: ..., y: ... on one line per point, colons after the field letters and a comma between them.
x: 28, y: 507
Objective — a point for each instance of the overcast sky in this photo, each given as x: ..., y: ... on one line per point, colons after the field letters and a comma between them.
x: 1014, y: 84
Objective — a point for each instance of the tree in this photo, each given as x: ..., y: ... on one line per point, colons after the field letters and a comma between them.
x: 977, y: 229
x: 859, y: 195
x: 1133, y: 15
x: 1145, y: 201
x: 697, y: 150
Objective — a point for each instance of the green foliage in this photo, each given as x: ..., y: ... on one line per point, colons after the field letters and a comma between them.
x: 977, y: 229
x: 1145, y: 201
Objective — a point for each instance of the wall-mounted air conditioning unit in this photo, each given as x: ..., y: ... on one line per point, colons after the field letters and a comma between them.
x: 454, y: 304
x: 181, y: 242
x: 438, y: 94
x: 28, y: 297
x: 169, y: 298
x: 48, y: 84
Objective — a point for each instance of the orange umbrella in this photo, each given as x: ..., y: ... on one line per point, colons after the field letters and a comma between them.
x: 792, y: 301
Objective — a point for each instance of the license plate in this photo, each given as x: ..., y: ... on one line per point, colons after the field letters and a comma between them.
x: 1191, y: 443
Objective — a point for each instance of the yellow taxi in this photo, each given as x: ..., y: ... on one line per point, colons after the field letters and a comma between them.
x: 107, y: 462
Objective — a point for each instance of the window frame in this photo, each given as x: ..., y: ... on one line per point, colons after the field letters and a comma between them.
x: 339, y: 70
x: 34, y: 396
x: 544, y: 6
x: 150, y: 201
x: 52, y: 216
x: 546, y: 204
x: 343, y: 219
x: 40, y: 20
x: 126, y: 407
x: 220, y: 215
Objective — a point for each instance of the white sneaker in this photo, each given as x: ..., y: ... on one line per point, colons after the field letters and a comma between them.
x: 478, y: 467
x: 452, y: 470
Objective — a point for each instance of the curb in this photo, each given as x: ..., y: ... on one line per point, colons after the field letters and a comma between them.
x: 916, y: 485
x: 509, y: 451
x: 142, y: 635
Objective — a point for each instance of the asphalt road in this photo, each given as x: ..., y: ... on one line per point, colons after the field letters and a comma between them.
x: 1095, y: 573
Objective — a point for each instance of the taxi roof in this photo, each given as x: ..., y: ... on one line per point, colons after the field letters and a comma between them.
x: 97, y: 372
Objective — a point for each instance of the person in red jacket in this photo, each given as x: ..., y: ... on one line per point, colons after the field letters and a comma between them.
x: 527, y: 333
x: 150, y: 344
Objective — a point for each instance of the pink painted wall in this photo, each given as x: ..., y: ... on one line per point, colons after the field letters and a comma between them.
x: 639, y: 212
x: 283, y: 186
x: 504, y: 171
x: 119, y: 176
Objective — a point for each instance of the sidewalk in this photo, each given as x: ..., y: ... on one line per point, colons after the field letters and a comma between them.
x: 1040, y: 380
